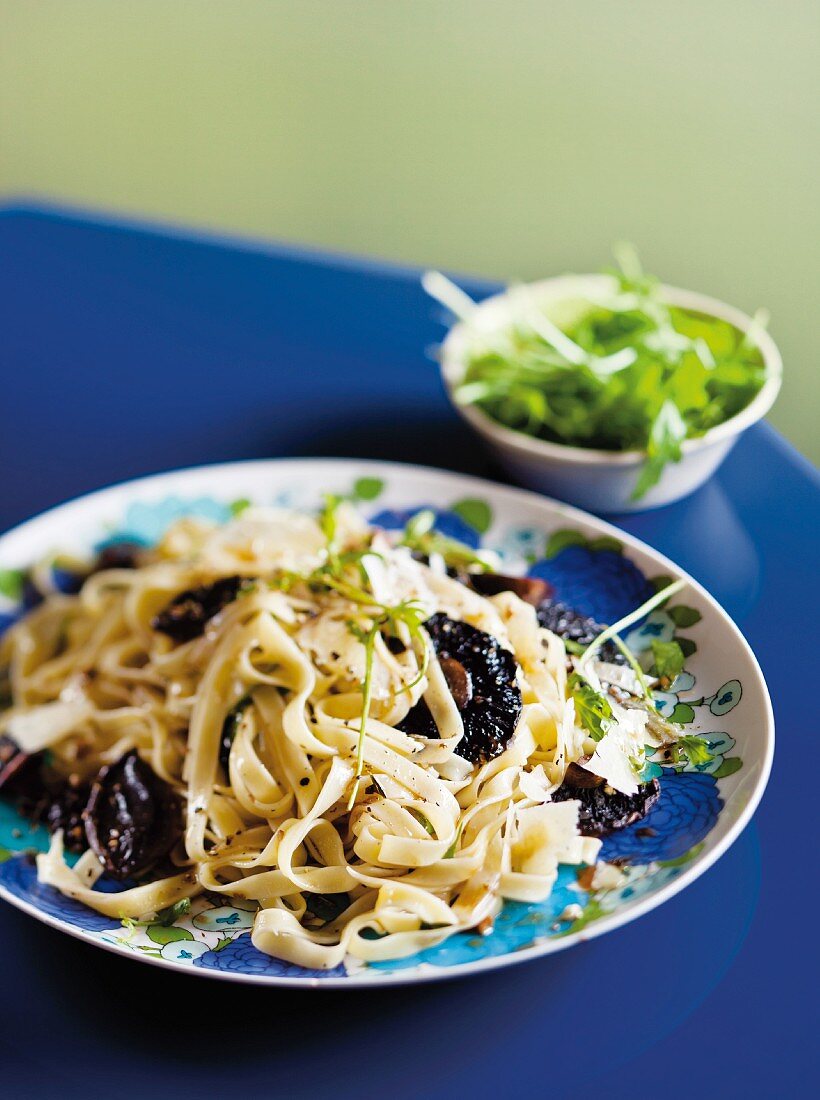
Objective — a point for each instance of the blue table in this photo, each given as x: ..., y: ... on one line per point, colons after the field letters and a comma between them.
x: 124, y: 351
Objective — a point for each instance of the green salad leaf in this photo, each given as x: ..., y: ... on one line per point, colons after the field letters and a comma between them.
x: 592, y: 708
x: 420, y: 535
x: 694, y: 749
x: 620, y: 370
x: 668, y: 659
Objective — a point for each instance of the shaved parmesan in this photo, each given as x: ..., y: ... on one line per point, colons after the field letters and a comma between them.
x: 618, y: 675
x: 624, y: 742
x: 535, y: 785
x: 264, y: 539
x: 607, y: 877
x: 571, y: 736
x: 548, y: 835
x: 40, y: 727
x: 394, y: 576
x: 335, y: 651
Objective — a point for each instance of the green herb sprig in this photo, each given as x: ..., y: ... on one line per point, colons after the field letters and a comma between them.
x: 668, y: 658
x: 164, y: 917
x: 612, y: 632
x: 420, y: 536
x: 592, y: 706
x: 344, y: 573
x: 410, y: 615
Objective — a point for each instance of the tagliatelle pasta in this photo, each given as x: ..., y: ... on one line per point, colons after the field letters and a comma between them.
x: 325, y: 650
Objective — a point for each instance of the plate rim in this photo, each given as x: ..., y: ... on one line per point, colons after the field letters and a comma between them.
x: 429, y: 973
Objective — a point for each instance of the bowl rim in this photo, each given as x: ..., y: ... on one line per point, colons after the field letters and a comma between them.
x: 454, y: 345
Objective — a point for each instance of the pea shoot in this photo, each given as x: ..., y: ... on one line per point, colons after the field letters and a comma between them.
x: 343, y: 572
x: 389, y: 620
x: 592, y: 706
x: 421, y: 537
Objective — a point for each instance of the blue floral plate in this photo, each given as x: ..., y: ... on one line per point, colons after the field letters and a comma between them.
x: 593, y: 566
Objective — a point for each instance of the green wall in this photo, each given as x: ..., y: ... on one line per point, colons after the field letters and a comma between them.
x: 503, y: 137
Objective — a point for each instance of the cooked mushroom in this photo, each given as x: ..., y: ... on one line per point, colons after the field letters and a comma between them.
x: 481, y: 676
x: 604, y: 810
x: 530, y: 589
x: 186, y: 615
x: 65, y: 812
x: 118, y: 555
x: 133, y: 818
x: 572, y: 626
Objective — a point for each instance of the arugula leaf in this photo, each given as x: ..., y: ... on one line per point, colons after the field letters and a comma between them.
x: 11, y: 583
x: 327, y: 907
x: 329, y: 521
x: 592, y: 707
x: 160, y: 929
x: 668, y: 659
x: 173, y: 912
x: 665, y: 437
x: 424, y: 821
x: 420, y: 536
x: 694, y: 748
x: 418, y: 526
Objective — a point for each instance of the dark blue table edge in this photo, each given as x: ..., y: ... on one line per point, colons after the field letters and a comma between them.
x: 131, y: 224
x: 38, y: 206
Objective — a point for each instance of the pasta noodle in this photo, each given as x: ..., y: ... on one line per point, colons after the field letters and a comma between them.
x: 323, y: 653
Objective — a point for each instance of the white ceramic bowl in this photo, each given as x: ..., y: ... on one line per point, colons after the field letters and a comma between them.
x: 601, y: 481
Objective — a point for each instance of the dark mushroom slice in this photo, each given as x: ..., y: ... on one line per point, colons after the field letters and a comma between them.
x: 118, y: 555
x: 529, y: 589
x: 14, y: 763
x: 419, y: 721
x: 603, y: 809
x: 186, y: 615
x: 574, y: 627
x: 42, y: 795
x: 226, y: 740
x: 22, y: 779
x: 481, y: 676
x: 575, y: 776
x: 133, y: 818
x: 459, y: 681
x: 26, y: 781
x: 65, y: 811
x: 327, y: 907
